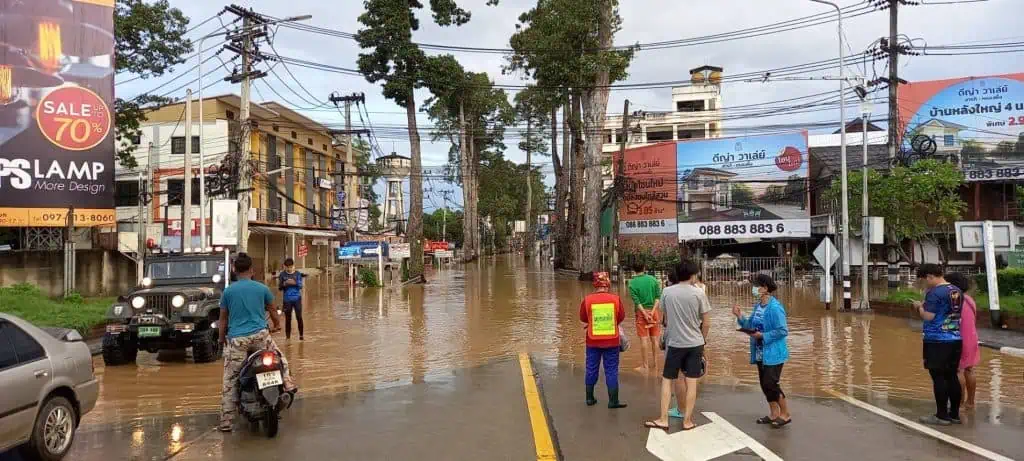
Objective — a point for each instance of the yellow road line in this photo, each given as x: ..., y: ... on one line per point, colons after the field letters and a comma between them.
x: 541, y: 433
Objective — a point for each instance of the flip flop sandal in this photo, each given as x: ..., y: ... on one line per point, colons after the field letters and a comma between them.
x: 765, y: 420
x: 690, y: 428
x: 655, y: 425
x: 779, y: 423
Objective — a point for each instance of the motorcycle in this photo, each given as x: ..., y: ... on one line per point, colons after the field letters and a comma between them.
x: 261, y: 390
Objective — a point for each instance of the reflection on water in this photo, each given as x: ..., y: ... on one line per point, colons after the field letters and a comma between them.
x: 364, y: 339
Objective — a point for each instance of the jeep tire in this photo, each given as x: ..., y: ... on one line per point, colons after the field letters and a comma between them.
x: 205, y: 346
x: 117, y: 350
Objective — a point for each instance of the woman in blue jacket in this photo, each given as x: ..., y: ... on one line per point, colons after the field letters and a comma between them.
x: 768, y: 348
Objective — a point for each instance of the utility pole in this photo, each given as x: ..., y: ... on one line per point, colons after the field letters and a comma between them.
x: 352, y: 182
x: 145, y: 194
x: 894, y: 79
x: 619, y: 183
x: 865, y: 303
x: 140, y: 232
x: 186, y: 200
x: 244, y: 181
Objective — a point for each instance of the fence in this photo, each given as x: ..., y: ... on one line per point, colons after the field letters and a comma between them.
x: 731, y: 276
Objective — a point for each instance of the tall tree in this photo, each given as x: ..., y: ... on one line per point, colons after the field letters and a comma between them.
x: 532, y: 107
x: 568, y: 44
x: 471, y: 114
x: 149, y: 40
x: 393, y: 58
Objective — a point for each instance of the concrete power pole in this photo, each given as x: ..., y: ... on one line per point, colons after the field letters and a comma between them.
x: 620, y: 172
x: 186, y: 200
x: 352, y: 179
x: 894, y: 79
x: 244, y: 173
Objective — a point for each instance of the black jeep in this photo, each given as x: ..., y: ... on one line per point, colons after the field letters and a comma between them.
x: 176, y: 307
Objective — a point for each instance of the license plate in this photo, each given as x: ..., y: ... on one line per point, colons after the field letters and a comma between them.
x: 148, y: 319
x: 149, y: 332
x: 270, y: 378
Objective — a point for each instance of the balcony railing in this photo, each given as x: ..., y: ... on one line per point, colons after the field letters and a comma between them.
x: 271, y: 216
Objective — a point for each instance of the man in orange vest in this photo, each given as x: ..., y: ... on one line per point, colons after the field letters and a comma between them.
x: 602, y: 312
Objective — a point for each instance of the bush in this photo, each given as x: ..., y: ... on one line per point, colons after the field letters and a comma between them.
x: 368, y: 277
x: 22, y: 289
x: 74, y: 298
x: 1011, y: 282
x: 903, y: 296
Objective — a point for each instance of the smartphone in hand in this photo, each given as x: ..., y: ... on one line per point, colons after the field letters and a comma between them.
x: 747, y: 331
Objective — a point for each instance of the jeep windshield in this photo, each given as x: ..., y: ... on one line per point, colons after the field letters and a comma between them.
x: 185, y: 269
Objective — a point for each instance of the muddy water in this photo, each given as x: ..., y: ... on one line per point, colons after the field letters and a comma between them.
x: 368, y: 338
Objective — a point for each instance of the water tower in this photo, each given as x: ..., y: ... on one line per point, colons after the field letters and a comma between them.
x: 395, y: 169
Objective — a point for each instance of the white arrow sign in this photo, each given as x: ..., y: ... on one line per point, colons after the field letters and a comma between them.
x: 708, y: 441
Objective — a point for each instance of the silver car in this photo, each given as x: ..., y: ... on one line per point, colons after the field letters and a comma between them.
x: 48, y: 384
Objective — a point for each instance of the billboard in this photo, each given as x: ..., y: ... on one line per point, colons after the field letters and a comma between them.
x: 749, y: 187
x: 648, y: 199
x: 56, y: 118
x: 978, y: 119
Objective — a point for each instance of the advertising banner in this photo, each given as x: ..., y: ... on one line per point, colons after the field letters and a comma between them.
x: 56, y: 113
x: 225, y: 222
x: 648, y: 202
x: 980, y: 120
x: 749, y: 187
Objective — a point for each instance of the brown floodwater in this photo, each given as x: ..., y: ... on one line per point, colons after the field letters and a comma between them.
x: 364, y: 339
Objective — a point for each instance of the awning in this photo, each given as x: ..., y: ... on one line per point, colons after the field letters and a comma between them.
x: 269, y: 230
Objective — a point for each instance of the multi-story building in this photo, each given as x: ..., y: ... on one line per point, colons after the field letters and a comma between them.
x: 696, y: 114
x: 298, y: 170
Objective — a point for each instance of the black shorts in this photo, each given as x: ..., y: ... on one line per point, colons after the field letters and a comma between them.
x: 942, y: 356
x: 689, y: 360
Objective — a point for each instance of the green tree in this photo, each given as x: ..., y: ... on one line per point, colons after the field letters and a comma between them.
x: 149, y: 40
x: 1006, y: 147
x: 470, y: 113
x: 919, y: 203
x: 568, y: 44
x: 532, y: 107
x: 393, y: 59
x: 742, y: 194
x: 444, y: 224
x: 501, y: 199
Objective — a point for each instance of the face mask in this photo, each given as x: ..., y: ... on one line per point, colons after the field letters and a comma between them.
x: 753, y: 290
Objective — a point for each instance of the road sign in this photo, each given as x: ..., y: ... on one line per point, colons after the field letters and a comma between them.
x: 826, y: 254
x: 970, y: 235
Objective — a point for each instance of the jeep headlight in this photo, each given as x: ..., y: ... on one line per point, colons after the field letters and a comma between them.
x: 217, y: 278
x: 147, y: 282
x: 178, y: 301
x: 138, y: 302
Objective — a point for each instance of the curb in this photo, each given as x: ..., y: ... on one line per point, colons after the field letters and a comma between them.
x: 1014, y: 351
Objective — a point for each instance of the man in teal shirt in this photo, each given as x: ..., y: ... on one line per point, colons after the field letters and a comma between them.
x: 645, y: 291
x: 244, y: 306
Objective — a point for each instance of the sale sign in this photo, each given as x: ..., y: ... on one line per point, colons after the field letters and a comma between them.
x: 648, y: 201
x: 56, y: 117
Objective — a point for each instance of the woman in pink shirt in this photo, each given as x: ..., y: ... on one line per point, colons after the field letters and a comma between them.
x: 970, y: 354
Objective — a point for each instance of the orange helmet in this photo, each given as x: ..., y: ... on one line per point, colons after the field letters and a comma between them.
x: 601, y: 280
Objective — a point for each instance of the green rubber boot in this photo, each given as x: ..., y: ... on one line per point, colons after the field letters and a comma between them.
x: 591, y: 401
x: 613, y: 399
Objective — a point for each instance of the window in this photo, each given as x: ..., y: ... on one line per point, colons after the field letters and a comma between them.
x: 175, y: 190
x: 723, y: 200
x: 8, y: 358
x: 275, y: 128
x: 195, y: 144
x: 325, y: 150
x: 230, y: 115
x: 689, y: 106
x: 25, y: 346
x: 178, y: 145
x: 294, y: 135
x: 948, y: 140
x: 656, y: 136
x: 136, y: 139
x: 126, y: 193
x: 310, y: 142
x: 608, y: 136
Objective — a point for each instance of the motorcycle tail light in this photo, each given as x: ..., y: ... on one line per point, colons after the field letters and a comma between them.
x: 268, y: 359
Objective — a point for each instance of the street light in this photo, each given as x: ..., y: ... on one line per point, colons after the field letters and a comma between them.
x: 847, y: 300
x: 202, y: 158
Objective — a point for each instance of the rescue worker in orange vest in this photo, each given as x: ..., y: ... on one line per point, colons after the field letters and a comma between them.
x: 602, y: 313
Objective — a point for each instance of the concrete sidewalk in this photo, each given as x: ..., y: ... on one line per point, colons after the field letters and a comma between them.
x: 822, y: 428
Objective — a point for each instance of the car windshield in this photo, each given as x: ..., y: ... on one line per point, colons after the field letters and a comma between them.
x: 185, y: 269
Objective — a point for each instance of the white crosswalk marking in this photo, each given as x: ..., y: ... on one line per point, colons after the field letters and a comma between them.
x: 708, y: 441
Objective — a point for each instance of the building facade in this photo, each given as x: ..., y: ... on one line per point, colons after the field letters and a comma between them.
x: 298, y: 171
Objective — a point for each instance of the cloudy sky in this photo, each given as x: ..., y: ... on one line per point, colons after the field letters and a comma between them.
x: 644, y: 21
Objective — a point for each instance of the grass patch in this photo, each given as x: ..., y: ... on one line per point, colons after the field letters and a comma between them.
x: 1013, y: 304
x: 26, y: 301
x: 902, y: 296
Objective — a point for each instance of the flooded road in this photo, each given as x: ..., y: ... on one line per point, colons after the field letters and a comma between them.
x: 367, y: 339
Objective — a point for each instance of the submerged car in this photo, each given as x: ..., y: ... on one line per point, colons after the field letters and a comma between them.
x: 176, y: 306
x: 48, y: 385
